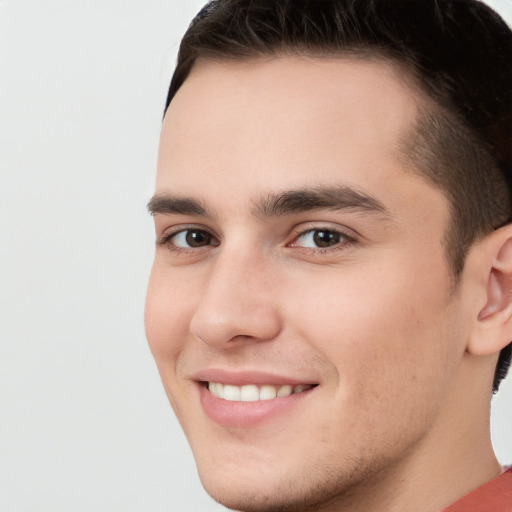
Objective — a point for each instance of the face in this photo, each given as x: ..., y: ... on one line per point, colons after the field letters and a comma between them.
x: 300, y: 307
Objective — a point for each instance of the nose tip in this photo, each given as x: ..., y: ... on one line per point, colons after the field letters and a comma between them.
x: 234, y: 308
x: 221, y: 323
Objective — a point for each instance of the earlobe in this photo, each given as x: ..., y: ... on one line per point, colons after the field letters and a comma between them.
x: 493, y: 326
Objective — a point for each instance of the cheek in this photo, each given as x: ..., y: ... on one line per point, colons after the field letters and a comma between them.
x: 167, y: 316
x: 391, y: 359
x: 380, y: 327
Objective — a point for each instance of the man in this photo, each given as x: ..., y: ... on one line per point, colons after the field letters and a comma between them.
x: 330, y: 306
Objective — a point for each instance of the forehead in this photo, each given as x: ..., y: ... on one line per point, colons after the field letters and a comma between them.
x: 271, y: 121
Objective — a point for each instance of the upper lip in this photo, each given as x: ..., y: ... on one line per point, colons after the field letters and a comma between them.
x: 242, y: 378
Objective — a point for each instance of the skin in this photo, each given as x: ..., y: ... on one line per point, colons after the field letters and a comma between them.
x: 399, y: 418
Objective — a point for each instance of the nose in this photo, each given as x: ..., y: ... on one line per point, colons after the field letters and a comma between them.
x: 237, y: 303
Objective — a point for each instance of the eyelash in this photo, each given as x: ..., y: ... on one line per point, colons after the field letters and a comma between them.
x: 166, y: 240
x: 346, y: 240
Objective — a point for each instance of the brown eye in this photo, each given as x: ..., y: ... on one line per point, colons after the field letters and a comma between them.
x: 198, y: 238
x: 193, y: 239
x: 325, y: 238
x: 320, y: 239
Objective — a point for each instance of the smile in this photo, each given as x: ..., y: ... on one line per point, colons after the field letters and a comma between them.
x: 253, y: 392
x: 248, y: 400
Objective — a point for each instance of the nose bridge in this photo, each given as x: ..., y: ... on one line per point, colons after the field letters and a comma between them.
x: 237, y: 300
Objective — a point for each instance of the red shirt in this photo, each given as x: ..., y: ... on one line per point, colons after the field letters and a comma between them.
x: 494, y: 496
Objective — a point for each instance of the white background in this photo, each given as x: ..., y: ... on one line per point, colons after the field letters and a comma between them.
x: 84, y: 423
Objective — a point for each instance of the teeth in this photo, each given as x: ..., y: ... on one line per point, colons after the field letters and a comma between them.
x: 268, y: 392
x: 216, y: 389
x: 285, y: 390
x: 253, y: 393
x: 249, y: 393
x: 232, y: 393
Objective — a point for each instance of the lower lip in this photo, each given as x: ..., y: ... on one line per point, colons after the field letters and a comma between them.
x: 247, y: 414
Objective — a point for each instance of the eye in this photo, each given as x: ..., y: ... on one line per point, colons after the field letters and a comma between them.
x: 320, y: 239
x: 190, y: 239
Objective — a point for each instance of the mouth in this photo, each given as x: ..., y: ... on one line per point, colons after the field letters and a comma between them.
x: 251, y: 398
x: 255, y: 392
x: 251, y: 402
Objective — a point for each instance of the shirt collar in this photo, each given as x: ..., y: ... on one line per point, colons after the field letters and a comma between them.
x: 495, y: 496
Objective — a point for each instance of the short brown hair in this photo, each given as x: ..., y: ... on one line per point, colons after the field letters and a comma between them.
x: 459, y: 53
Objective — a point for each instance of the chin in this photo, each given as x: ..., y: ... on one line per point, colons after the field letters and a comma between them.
x: 278, y: 490
x: 254, y: 499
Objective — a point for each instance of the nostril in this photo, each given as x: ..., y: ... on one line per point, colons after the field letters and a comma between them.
x: 242, y: 337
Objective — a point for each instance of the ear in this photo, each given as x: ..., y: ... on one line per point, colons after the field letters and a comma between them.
x: 493, y: 326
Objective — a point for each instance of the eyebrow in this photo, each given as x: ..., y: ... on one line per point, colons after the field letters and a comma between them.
x: 318, y: 198
x: 171, y: 204
x: 274, y: 205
